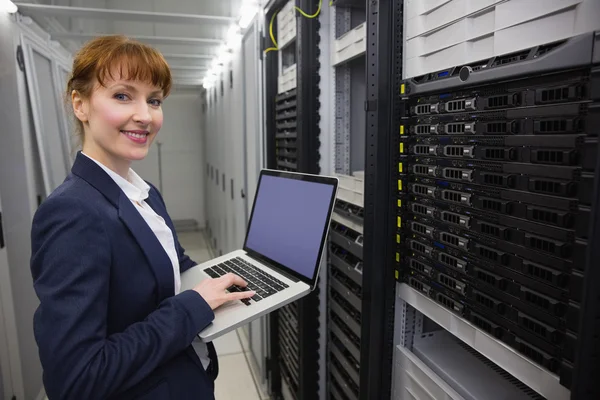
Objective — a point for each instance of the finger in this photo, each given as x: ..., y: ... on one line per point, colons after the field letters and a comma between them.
x: 240, y: 295
x: 232, y: 279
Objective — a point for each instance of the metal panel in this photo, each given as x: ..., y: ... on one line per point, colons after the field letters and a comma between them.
x: 357, y: 114
x: 378, y: 276
x: 49, y: 119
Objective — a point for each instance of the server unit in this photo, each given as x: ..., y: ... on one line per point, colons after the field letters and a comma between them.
x: 496, y: 175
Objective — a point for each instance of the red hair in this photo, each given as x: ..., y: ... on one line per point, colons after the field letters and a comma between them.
x: 99, y: 58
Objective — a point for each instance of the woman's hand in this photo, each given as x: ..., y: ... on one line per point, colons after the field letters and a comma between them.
x: 213, y: 291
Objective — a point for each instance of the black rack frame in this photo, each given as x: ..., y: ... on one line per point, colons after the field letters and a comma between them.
x: 587, y: 358
x: 307, y: 41
x: 384, y: 73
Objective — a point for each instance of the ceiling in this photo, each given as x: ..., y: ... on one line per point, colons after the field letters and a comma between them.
x: 190, y: 33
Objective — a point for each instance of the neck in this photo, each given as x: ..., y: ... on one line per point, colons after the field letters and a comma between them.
x: 117, y: 165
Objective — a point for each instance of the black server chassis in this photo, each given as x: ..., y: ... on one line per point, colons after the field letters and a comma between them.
x: 494, y: 188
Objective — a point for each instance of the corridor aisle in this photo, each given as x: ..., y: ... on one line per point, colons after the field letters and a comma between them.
x: 235, y: 378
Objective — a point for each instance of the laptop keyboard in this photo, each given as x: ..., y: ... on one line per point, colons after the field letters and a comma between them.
x: 262, y: 283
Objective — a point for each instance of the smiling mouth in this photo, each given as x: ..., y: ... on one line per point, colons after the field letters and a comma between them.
x: 136, y: 134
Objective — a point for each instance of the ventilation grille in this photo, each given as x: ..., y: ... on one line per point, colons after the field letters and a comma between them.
x: 424, y: 149
x: 448, y: 302
x: 494, y: 154
x: 459, y: 127
x: 450, y: 261
x: 505, y: 375
x: 488, y: 302
x: 419, y: 228
x: 419, y: 266
x: 494, y: 179
x: 456, y: 197
x: 454, y: 240
x: 416, y: 246
x: 455, y: 219
x: 546, y: 216
x: 542, y: 244
x: 538, y: 300
x: 458, y: 151
x: 510, y: 58
x: 551, y: 187
x: 423, y: 190
x: 553, y: 126
x: 457, y: 174
x: 416, y: 284
x: 556, y: 157
x: 420, y: 209
x: 555, y: 95
x: 424, y: 170
x: 493, y: 205
x: 423, y: 129
x: 492, y: 255
x: 534, y: 326
x: 455, y: 105
x: 488, y: 229
x: 487, y: 277
x: 451, y: 217
x: 449, y: 282
x: 545, y: 274
x: 497, y: 127
x: 423, y: 109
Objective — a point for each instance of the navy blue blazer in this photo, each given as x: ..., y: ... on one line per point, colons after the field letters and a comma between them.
x: 109, y: 325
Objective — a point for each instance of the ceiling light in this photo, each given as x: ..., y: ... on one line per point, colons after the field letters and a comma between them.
x: 8, y: 6
x: 233, y: 36
x: 248, y: 11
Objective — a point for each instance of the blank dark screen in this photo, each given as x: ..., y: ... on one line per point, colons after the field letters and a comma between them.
x: 289, y: 220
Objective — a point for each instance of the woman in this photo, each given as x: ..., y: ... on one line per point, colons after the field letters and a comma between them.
x: 106, y: 261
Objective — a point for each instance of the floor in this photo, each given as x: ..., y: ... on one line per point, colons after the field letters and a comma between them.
x: 236, y: 379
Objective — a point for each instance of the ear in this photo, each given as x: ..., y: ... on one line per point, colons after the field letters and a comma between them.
x: 80, y: 106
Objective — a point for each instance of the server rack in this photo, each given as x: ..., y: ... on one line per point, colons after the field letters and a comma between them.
x: 293, y: 145
x: 347, y: 32
x: 495, y: 182
x: 406, y: 160
x: 344, y: 294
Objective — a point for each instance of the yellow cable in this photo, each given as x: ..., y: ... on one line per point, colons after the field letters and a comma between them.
x: 271, y: 29
x: 276, y: 48
x: 315, y: 15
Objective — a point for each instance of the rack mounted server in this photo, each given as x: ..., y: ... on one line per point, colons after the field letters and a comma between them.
x: 344, y: 297
x: 286, y: 135
x: 496, y: 174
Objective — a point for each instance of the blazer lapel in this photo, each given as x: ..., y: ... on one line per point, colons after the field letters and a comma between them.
x: 158, y: 259
x: 156, y: 255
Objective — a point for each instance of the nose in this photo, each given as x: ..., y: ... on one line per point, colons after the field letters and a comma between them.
x: 142, y: 114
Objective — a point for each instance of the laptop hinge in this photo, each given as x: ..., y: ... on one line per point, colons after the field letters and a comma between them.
x: 290, y: 277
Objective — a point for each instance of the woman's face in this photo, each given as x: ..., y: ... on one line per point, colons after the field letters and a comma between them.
x: 121, y: 120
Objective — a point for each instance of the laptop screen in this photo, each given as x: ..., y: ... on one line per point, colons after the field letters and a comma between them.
x: 290, y: 219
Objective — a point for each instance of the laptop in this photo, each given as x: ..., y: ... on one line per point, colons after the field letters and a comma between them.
x: 281, y: 257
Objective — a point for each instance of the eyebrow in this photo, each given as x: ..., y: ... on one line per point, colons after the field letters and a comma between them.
x: 134, y: 89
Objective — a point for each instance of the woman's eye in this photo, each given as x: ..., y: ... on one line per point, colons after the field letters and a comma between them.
x: 120, y: 96
x: 156, y: 102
